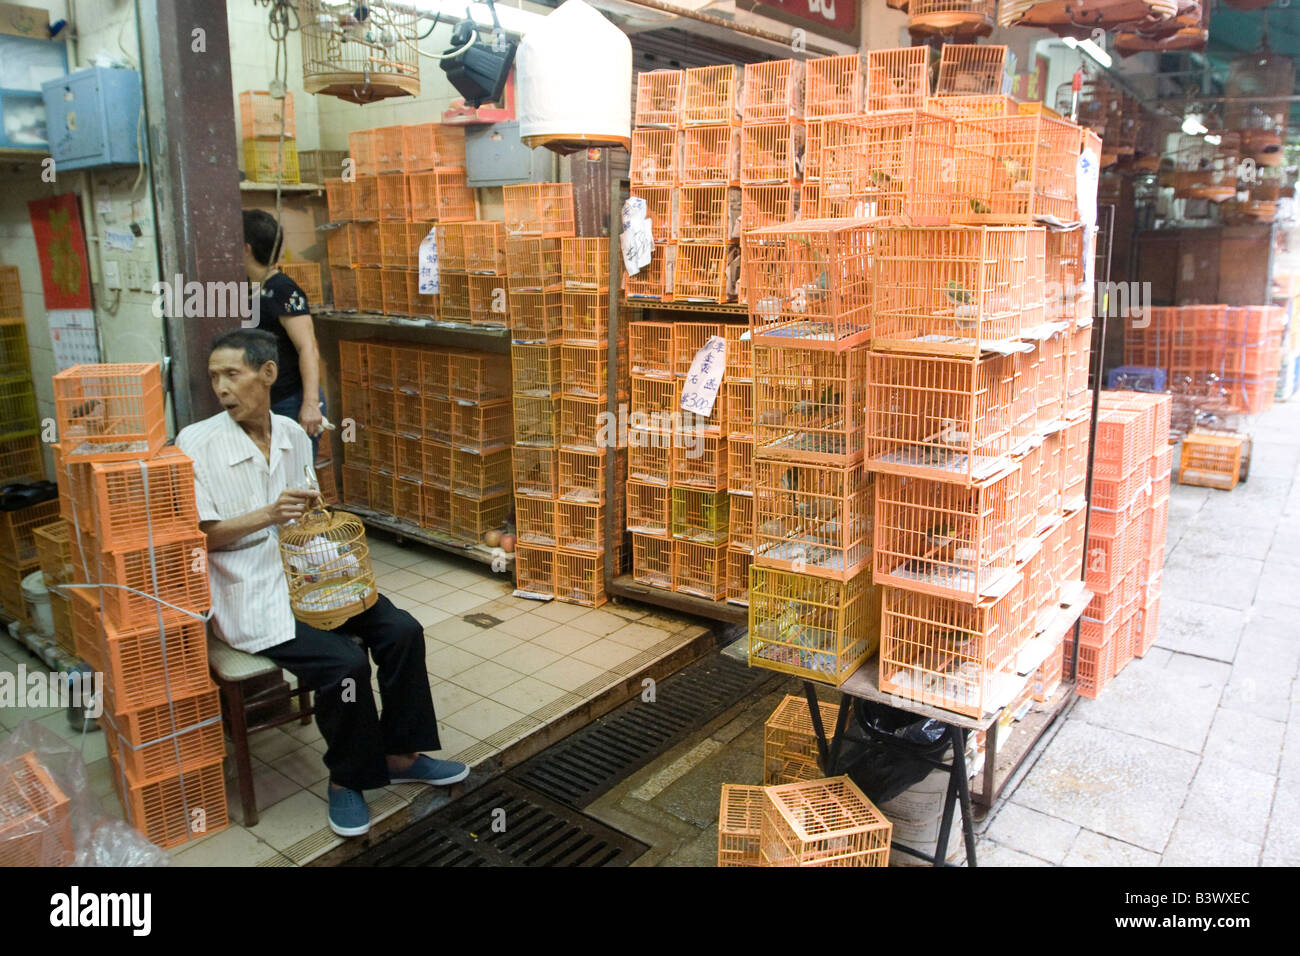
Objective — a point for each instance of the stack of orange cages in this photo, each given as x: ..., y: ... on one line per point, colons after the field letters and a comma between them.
x: 539, y: 219
x: 139, y: 597
x: 655, y: 170
x: 433, y: 429
x: 404, y: 180
x: 21, y: 458
x: 834, y: 88
x: 269, y: 136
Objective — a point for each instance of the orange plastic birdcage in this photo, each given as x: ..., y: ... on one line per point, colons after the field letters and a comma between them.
x: 656, y: 157
x: 535, y: 470
x: 395, y: 292
x: 741, y: 523
x: 950, y: 290
x: 788, y: 735
x: 687, y: 340
x: 710, y: 95
x: 362, y: 242
x: 968, y: 105
x: 537, y: 317
x: 381, y: 444
x: 812, y: 150
x: 435, y: 510
x: 972, y: 69
x: 658, y: 99
x: 153, y: 742
x: 144, y: 665
x: 481, y: 428
x: 769, y: 205
x: 700, y: 462
x: 1123, y: 442
x: 580, y: 423
x: 453, y: 296
x: 175, y: 809
x: 940, y: 418
x: 365, y: 198
x: 353, y: 359
x: 536, y: 370
x: 650, y: 349
x: 263, y: 115
x: 124, y: 504
x: 394, y: 197
x: 661, y: 210
x: 585, y: 317
x: 428, y: 146
x: 897, y: 79
x: 340, y: 199
x: 585, y: 263
x: 740, y: 464
x: 408, y: 500
x: 809, y: 283
x: 14, y: 357
x: 707, y: 213
x: 399, y: 244
x: 581, y: 474
x: 771, y: 152
x: 35, y: 816
x: 410, y: 455
x: 814, y: 519
x: 489, y: 300
x: 946, y: 539
x: 442, y: 195
x: 738, y: 565
x: 535, y: 571
x: 772, y: 91
x: 539, y: 209
x: 897, y: 165
x: 700, y: 569
x: 584, y: 371
x: 343, y: 288
x: 472, y: 518
x: 22, y: 459
x: 656, y: 403
x: 654, y: 281
x: 649, y: 509
x: 706, y: 272
x: 739, y: 404
x: 809, y: 406
x: 1014, y: 168
x: 361, y: 149
x: 533, y: 264
x: 809, y: 200
x: 370, y: 290
x: 17, y: 403
x: 451, y: 246
x: 650, y: 456
x: 110, y: 412
x: 356, y: 486
x: 580, y: 526
x: 833, y: 86
x: 54, y: 551
x: 18, y: 527
x: 536, y: 421
x: 809, y: 626
x: 1207, y: 460
x: 478, y: 377
x: 710, y: 154
x: 480, y: 476
x: 484, y: 247
x: 435, y: 464
x: 652, y: 560
x: 950, y: 654
x: 388, y: 143
x: 579, y: 578
x: 11, y: 293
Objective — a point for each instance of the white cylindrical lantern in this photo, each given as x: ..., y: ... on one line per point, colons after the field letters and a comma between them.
x: 574, y: 81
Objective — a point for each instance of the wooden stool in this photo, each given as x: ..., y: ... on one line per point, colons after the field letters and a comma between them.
x: 254, y: 697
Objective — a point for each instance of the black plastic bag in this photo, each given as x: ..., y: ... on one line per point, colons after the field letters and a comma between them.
x: 884, y: 770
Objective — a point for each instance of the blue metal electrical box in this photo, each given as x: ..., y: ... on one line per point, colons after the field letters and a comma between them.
x: 92, y: 117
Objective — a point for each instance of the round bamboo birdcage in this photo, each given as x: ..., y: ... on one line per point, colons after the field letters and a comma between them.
x: 951, y: 18
x: 359, y: 53
x: 327, y: 563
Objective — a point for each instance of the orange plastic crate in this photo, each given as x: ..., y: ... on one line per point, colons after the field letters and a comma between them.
x: 35, y: 816
x: 176, y: 809
x: 809, y: 406
x: 536, y: 317
x: 889, y: 165
x: 700, y: 569
x: 710, y: 94
x: 972, y: 69
x: 822, y: 527
x: 655, y: 280
x: 489, y: 301
x: 656, y: 157
x: 262, y: 115
x: 1211, y: 461
x: 484, y: 247
x: 1109, y: 557
x: 834, y: 86
x: 535, y: 571
x: 835, y: 629
x: 343, y: 285
x: 533, y: 264
x: 1123, y: 443
x: 154, y: 742
x: 706, y: 271
x: 653, y: 561
x: 809, y: 283
x: 771, y: 152
x: 18, y: 529
x: 658, y: 99
x: 585, y: 263
x: 650, y: 349
x: 772, y: 91
x: 767, y: 205
x: 947, y: 653
x: 945, y: 539
x: 365, y: 197
x: 710, y: 154
x: 174, y: 571
x: 708, y: 213
x: 539, y: 209
x: 481, y: 428
x: 661, y: 210
x: 124, y: 504
x: 942, y: 418
x: 579, y: 578
x: 340, y: 199
x: 453, y: 292
x: 897, y: 79
x: 110, y: 412
x: 142, y: 666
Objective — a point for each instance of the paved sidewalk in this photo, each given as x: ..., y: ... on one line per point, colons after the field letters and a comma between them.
x: 1191, y: 757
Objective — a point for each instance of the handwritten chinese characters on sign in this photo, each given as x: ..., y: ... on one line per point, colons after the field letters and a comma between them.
x: 705, y: 377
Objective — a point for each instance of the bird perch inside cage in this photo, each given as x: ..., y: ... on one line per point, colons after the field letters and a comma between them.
x: 327, y: 562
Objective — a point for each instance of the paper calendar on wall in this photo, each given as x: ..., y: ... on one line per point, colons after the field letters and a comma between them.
x: 73, y: 336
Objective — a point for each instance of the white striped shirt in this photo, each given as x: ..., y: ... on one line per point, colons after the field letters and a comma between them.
x: 250, y: 596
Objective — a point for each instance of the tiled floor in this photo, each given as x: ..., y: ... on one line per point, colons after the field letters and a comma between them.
x: 492, y: 686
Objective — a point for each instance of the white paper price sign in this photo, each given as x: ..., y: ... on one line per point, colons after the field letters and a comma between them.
x: 429, y: 263
x: 705, y: 377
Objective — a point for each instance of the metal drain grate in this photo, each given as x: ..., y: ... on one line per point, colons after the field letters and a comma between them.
x: 532, y: 831
x: 588, y: 763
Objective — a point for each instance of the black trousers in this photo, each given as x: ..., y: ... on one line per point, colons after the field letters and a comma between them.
x: 358, y: 737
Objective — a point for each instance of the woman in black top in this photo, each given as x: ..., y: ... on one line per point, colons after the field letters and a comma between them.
x: 286, y: 314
